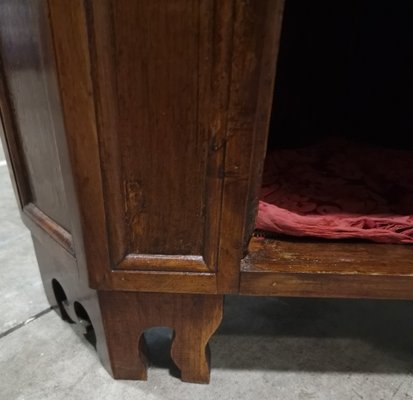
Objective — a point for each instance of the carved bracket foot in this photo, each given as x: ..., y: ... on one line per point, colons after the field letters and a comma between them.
x: 194, y: 319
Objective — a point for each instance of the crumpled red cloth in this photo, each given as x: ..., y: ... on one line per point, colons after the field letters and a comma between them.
x: 339, y: 189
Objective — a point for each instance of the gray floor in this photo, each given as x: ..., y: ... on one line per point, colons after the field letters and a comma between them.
x: 266, y: 348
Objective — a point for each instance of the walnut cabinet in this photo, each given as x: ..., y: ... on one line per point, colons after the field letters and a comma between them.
x: 135, y: 132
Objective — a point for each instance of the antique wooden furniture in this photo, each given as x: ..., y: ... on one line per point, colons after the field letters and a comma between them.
x: 136, y: 132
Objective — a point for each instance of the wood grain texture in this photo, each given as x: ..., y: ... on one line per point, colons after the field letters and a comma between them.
x: 70, y: 41
x: 136, y: 132
x: 163, y: 151
x: 161, y: 262
x: 327, y: 269
x: 32, y: 128
x: 57, y: 264
x: 256, y: 34
x: 194, y: 318
x: 24, y: 118
x: 34, y: 140
x: 10, y: 142
x: 156, y: 68
x: 160, y: 281
x: 50, y: 227
x: 24, y: 58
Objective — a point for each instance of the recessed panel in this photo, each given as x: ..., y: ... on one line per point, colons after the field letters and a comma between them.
x: 31, y: 85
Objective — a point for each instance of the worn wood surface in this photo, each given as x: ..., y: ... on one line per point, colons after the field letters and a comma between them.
x: 13, y: 151
x: 68, y: 26
x: 60, y: 267
x: 35, y: 219
x: 256, y: 33
x: 163, y: 148
x: 42, y: 161
x: 327, y: 269
x: 159, y: 175
x: 34, y: 140
x: 136, y: 132
x: 34, y: 137
x: 194, y: 318
x: 30, y: 90
x: 168, y: 118
x: 161, y: 281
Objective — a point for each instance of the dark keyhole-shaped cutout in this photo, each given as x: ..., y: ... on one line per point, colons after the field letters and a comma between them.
x: 61, y: 300
x: 85, y: 321
x: 158, y: 342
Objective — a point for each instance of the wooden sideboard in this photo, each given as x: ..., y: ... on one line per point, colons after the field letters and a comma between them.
x: 136, y: 133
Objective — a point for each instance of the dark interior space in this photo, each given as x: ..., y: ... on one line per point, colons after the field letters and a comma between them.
x: 344, y: 68
x: 339, y: 159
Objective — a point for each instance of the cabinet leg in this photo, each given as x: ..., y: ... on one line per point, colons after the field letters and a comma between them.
x: 194, y: 319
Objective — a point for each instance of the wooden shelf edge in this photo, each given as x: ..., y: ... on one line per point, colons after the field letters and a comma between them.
x: 327, y: 269
x: 326, y: 285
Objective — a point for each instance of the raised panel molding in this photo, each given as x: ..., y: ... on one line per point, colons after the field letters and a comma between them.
x: 36, y: 220
x: 31, y: 129
x: 141, y: 180
x: 163, y: 262
x: 50, y: 227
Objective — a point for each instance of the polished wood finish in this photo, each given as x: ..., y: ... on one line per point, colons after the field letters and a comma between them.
x: 194, y: 318
x: 172, y: 119
x: 136, y: 133
x: 288, y: 267
x: 130, y: 195
x: 71, y: 53
x: 34, y: 140
x: 121, y: 131
x: 31, y: 90
x: 59, y: 267
x: 34, y: 217
x: 257, y: 26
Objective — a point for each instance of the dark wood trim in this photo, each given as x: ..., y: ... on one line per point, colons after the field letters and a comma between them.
x: 193, y: 318
x: 12, y: 146
x: 64, y: 261
x: 327, y: 285
x: 286, y: 255
x: 101, y: 34
x: 257, y: 27
x: 160, y: 281
x: 214, y: 71
x: 70, y: 41
x: 163, y: 262
x: 50, y: 227
x: 297, y: 267
x: 215, y: 20
x: 265, y: 99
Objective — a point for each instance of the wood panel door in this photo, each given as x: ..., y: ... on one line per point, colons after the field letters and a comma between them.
x: 162, y: 102
x: 164, y: 105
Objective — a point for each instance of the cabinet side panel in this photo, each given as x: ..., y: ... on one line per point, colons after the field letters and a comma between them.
x: 32, y: 96
x: 163, y: 153
x: 160, y: 77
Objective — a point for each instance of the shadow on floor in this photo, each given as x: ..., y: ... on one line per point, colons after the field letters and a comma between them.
x: 288, y: 334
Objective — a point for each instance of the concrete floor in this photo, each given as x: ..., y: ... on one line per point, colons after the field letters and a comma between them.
x: 266, y: 348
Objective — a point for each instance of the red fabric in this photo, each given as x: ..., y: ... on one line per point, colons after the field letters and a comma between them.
x: 338, y: 189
